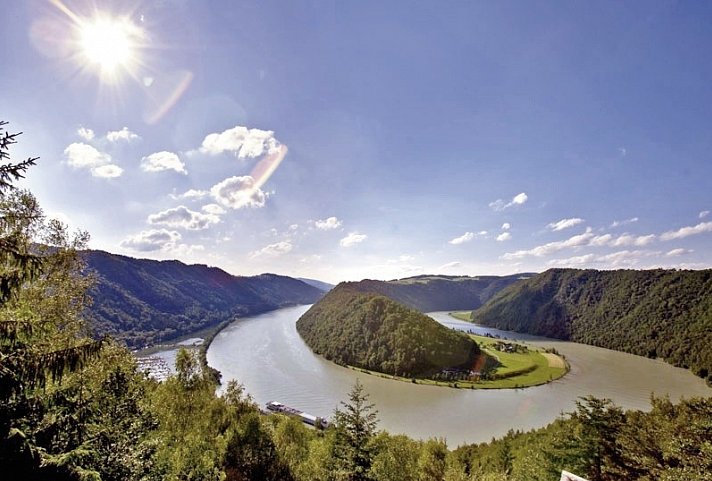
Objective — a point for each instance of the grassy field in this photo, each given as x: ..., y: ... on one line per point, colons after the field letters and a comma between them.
x: 462, y: 315
x: 515, y: 370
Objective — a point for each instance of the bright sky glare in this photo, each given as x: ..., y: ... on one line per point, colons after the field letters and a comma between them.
x: 349, y: 140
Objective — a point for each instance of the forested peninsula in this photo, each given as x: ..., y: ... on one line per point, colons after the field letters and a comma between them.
x: 352, y: 326
x: 659, y: 313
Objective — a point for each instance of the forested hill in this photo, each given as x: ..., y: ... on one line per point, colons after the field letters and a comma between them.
x: 656, y: 313
x: 357, y: 328
x: 430, y: 293
x: 144, y: 301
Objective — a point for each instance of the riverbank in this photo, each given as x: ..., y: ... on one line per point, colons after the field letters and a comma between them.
x: 519, y: 365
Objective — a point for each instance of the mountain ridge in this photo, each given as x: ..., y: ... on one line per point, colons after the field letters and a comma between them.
x: 144, y: 301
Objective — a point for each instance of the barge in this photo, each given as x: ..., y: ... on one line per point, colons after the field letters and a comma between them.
x: 310, y: 419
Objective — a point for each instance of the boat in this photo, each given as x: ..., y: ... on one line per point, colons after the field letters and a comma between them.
x: 310, y: 419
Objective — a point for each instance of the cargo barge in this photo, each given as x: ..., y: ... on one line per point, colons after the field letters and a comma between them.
x: 316, y: 421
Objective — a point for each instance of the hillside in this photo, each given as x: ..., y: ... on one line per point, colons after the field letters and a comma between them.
x: 429, y: 293
x: 656, y: 313
x: 143, y: 301
x: 367, y: 330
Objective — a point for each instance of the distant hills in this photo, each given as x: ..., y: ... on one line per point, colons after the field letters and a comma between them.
x: 658, y: 313
x: 429, y: 293
x: 353, y: 326
x: 143, y: 301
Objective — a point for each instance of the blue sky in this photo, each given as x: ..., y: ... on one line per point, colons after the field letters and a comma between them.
x: 405, y: 137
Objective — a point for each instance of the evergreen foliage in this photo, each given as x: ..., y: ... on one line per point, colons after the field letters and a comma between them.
x: 658, y: 313
x: 428, y: 293
x: 374, y: 332
x: 143, y: 302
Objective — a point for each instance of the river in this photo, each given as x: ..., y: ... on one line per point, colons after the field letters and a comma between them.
x: 266, y: 354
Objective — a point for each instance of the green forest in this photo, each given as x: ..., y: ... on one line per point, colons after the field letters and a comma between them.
x: 665, y: 314
x: 370, y: 331
x: 74, y: 407
x: 143, y: 302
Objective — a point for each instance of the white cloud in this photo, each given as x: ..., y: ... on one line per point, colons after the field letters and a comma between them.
x: 704, y: 214
x: 80, y: 156
x: 83, y: 156
x: 617, y: 223
x: 450, y: 265
x: 108, y: 171
x: 213, y: 209
x: 238, y: 192
x: 506, y: 226
x: 630, y: 240
x: 687, y: 231
x: 352, y: 239
x: 123, y: 134
x: 191, y: 194
x: 504, y: 236
x: 183, y: 217
x: 84, y: 133
x: 622, y: 151
x: 625, y: 258
x: 160, y: 161
x: 564, y: 223
x: 152, y: 240
x: 600, y: 240
x: 572, y: 261
x: 551, y: 247
x: 678, y: 252
x: 273, y: 250
x: 328, y: 224
x: 500, y: 204
x: 466, y: 237
x: 244, y: 143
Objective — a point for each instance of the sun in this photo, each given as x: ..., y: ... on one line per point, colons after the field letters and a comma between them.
x: 108, y: 43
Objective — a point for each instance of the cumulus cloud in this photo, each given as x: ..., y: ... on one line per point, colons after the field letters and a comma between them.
x: 328, y: 224
x: 678, y: 252
x: 213, y: 209
x: 687, y: 231
x: 84, y: 133
x: 625, y: 257
x: 506, y: 226
x: 184, y: 218
x: 564, y: 223
x: 500, y: 204
x: 160, y: 161
x: 152, y: 240
x: 617, y: 223
x: 450, y: 265
x: 273, y: 250
x: 704, y: 214
x: 108, y: 171
x: 244, y: 143
x: 631, y: 240
x: 466, y: 237
x: 552, y: 247
x: 352, y: 239
x: 238, y: 192
x: 572, y: 261
x: 79, y: 155
x: 191, y: 194
x: 504, y: 236
x: 124, y: 134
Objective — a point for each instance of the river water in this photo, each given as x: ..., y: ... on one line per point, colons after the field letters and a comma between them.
x: 266, y: 354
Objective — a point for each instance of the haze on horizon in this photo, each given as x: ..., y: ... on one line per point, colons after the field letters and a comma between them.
x: 349, y: 140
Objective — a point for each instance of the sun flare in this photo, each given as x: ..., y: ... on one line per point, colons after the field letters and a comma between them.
x: 108, y: 43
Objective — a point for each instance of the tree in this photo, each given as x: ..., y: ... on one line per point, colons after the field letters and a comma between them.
x: 38, y: 341
x: 355, y: 428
